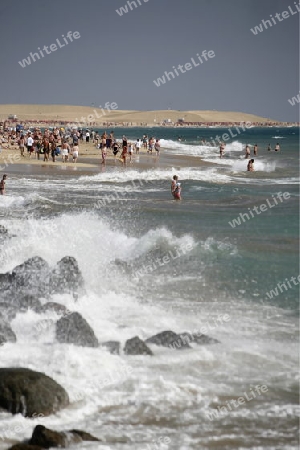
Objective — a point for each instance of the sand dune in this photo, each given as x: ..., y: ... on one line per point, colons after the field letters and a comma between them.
x: 75, y: 113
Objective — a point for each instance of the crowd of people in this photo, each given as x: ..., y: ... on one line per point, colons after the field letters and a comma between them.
x: 55, y: 142
x: 127, y: 149
x: 42, y: 145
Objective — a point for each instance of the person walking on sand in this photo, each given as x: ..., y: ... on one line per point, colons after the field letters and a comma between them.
x: 65, y: 151
x: 250, y: 166
x: 115, y: 149
x: 29, y: 145
x: 2, y: 185
x: 103, y: 152
x: 22, y: 144
x: 75, y: 153
x: 53, y: 152
x: 130, y: 151
x: 124, y: 154
x: 138, y: 145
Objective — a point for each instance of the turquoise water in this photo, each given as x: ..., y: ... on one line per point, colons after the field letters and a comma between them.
x: 211, y: 269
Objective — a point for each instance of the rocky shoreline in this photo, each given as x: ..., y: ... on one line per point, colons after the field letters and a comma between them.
x: 30, y: 286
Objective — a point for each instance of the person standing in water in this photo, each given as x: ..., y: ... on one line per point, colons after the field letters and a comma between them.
x: 176, y: 188
x: 277, y: 147
x: 250, y: 167
x: 2, y: 185
x: 222, y: 149
x: 247, y: 155
x: 255, y: 149
x: 269, y: 148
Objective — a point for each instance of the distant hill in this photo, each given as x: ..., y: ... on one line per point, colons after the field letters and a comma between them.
x: 72, y: 113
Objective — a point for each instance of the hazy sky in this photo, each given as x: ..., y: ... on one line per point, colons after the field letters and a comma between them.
x: 116, y: 58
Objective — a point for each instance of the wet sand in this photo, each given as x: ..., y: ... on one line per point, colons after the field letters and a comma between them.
x: 89, y: 162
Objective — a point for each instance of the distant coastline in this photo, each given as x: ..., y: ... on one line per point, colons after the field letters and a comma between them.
x: 91, y: 116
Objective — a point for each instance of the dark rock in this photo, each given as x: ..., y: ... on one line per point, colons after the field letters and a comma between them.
x: 6, y: 280
x: 8, y: 311
x: 168, y: 339
x: 3, y: 230
x: 84, y: 436
x: 27, y: 302
x: 35, y: 278
x: 198, y: 338
x: 66, y: 277
x: 74, y: 329
x: 136, y: 346
x: 52, y: 307
x: 6, y: 333
x: 47, y: 438
x: 31, y: 277
x: 30, y: 393
x: 13, y: 306
x: 26, y: 447
x: 112, y: 346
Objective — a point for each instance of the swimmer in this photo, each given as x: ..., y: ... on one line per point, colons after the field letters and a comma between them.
x: 250, y: 167
x: 2, y: 185
x: 222, y: 149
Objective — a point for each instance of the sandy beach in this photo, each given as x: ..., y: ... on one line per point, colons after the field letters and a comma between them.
x: 89, y: 162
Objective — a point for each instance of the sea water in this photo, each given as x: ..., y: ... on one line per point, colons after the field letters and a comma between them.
x: 152, y: 264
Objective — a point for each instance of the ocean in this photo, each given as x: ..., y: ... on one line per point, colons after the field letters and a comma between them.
x: 223, y: 261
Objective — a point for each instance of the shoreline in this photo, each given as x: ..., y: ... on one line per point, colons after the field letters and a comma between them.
x: 90, y: 163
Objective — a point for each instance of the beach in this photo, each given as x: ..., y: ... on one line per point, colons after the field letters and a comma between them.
x: 152, y: 264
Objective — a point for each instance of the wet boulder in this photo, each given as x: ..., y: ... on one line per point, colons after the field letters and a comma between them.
x: 6, y: 280
x: 66, y: 277
x: 6, y: 333
x: 27, y: 302
x: 30, y: 393
x: 84, y: 435
x: 57, y: 308
x: 3, y: 234
x: 136, y: 346
x: 31, y: 277
x: 168, y: 339
x: 74, y: 329
x: 198, y: 338
x: 47, y: 438
x: 8, y: 311
x: 18, y: 303
x: 3, y: 230
x: 112, y: 346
